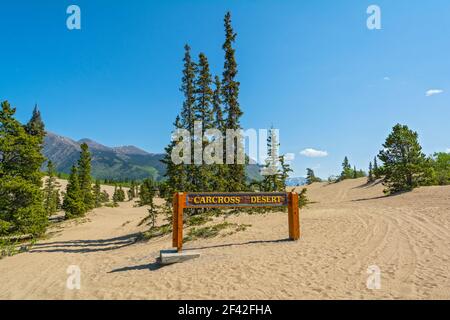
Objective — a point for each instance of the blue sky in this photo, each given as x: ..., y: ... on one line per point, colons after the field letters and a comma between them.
x: 310, y: 68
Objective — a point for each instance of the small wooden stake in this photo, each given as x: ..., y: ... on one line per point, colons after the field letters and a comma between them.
x: 181, y: 199
x: 294, y: 216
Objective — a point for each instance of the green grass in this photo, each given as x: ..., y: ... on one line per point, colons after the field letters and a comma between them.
x: 155, y: 232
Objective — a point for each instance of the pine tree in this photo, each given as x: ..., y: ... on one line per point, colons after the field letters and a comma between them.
x: 73, y: 203
x: 132, y: 191
x: 404, y: 165
x: 51, y: 194
x: 271, y: 171
x: 230, y: 96
x: 97, y: 194
x: 152, y: 211
x: 347, y: 172
x: 116, y: 196
x: 285, y: 170
x: 104, y: 197
x: 355, y: 172
x: 376, y: 169
x: 220, y: 170
x: 175, y: 173
x: 147, y: 192
x: 204, y: 174
x: 121, y: 194
x: 35, y: 126
x: 21, y: 197
x: 84, y: 172
x: 188, y: 116
x: 311, y: 177
x: 371, y: 177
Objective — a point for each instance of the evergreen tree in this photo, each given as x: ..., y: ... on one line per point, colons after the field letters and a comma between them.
x: 217, y: 111
x: 441, y: 166
x: 152, y: 211
x: 97, y: 194
x: 271, y: 171
x: 220, y: 170
x: 84, y: 172
x: 35, y: 126
x: 132, y: 190
x: 230, y: 95
x: 376, y: 169
x: 104, y: 197
x: 73, y: 203
x: 175, y: 173
x: 188, y: 115
x: 347, y: 172
x: 285, y: 170
x: 121, y: 194
x: 371, y: 177
x: 355, y: 172
x: 21, y: 197
x: 51, y: 194
x: 116, y: 196
x: 311, y: 177
x: 147, y: 192
x: 404, y: 165
x: 204, y: 174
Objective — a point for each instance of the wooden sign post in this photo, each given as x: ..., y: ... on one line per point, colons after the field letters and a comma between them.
x: 182, y: 201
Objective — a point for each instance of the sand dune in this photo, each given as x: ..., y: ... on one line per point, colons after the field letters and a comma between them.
x: 350, y: 227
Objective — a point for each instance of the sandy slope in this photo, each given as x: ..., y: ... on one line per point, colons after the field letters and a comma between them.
x: 349, y: 228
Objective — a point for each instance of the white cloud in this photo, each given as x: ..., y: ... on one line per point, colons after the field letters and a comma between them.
x: 448, y: 150
x: 387, y: 79
x: 312, y: 153
x: 289, y: 156
x: 433, y: 92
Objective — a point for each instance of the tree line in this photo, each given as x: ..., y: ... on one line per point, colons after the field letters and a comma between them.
x: 400, y: 165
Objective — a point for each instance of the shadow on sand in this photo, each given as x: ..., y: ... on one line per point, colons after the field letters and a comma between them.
x: 85, y: 246
x: 156, y: 265
x: 148, y: 266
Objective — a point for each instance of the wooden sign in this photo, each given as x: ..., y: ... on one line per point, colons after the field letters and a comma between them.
x: 182, y: 201
x: 221, y: 200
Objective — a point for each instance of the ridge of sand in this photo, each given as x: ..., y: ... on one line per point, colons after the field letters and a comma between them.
x: 350, y: 227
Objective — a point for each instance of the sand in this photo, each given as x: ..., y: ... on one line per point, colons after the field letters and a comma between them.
x: 350, y: 227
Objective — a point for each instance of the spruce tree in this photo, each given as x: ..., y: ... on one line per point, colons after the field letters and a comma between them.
x: 271, y: 171
x: 284, y: 175
x: 347, y: 172
x: 404, y: 165
x: 121, y: 194
x: 220, y: 182
x: 370, y: 177
x: 35, y: 126
x: 175, y: 173
x: 84, y: 172
x: 204, y: 174
x: 147, y: 192
x: 376, y: 169
x: 188, y: 116
x: 115, y: 196
x: 230, y: 97
x: 73, y: 203
x: 97, y: 194
x: 51, y: 194
x: 21, y: 197
x: 311, y: 177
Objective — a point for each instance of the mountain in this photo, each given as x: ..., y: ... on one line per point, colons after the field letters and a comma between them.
x: 121, y: 163
x: 295, y: 181
x: 118, y: 163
